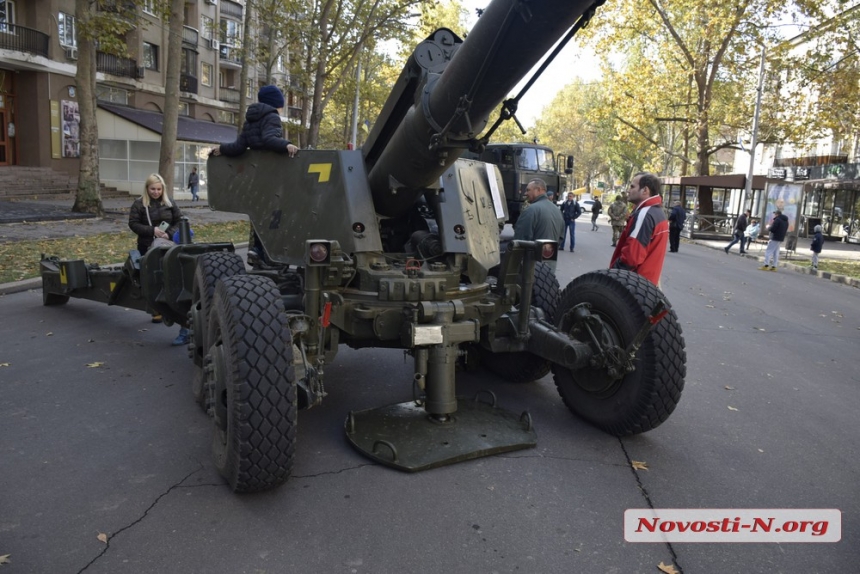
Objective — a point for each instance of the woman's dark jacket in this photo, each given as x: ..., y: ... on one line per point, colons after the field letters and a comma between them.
x: 158, y: 212
x: 262, y: 130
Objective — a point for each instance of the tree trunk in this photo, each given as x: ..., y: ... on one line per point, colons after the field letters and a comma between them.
x: 170, y: 125
x: 88, y: 197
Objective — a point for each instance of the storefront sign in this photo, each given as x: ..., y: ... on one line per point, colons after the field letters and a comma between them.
x: 801, y: 173
x: 776, y: 173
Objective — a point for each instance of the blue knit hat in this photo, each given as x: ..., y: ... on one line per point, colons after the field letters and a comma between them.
x: 271, y: 95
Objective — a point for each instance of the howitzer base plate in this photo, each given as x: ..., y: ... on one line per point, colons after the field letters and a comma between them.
x: 405, y: 437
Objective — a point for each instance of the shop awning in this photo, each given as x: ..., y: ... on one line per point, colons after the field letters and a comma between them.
x: 189, y: 130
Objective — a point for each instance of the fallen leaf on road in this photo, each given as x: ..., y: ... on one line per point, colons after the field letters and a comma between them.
x: 4, y: 559
x: 709, y: 306
x: 732, y: 408
x: 667, y: 568
x: 760, y: 450
x: 102, y: 537
x: 639, y: 465
x: 95, y: 365
x: 4, y: 364
x: 728, y: 388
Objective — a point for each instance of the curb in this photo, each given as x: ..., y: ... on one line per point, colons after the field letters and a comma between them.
x: 804, y: 269
x: 36, y: 282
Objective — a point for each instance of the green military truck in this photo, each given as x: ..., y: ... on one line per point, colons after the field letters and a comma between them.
x: 519, y: 163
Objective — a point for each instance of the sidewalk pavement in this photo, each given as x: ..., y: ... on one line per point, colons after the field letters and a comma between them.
x: 32, y: 220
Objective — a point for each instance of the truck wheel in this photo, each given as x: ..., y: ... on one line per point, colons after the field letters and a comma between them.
x: 252, y: 384
x: 524, y: 367
x: 51, y: 299
x: 210, y: 268
x: 644, y: 398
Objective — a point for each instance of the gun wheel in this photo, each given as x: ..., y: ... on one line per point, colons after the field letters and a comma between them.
x: 524, y: 367
x: 210, y: 268
x: 641, y: 400
x: 253, y: 384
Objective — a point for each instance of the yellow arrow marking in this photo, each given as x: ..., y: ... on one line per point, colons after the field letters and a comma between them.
x: 64, y: 280
x: 323, y: 169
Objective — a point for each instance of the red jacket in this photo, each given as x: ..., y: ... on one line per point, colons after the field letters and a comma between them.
x: 642, y: 246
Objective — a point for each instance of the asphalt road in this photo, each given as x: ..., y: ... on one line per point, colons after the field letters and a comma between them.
x: 121, y: 449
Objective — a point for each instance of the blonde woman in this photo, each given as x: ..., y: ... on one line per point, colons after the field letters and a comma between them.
x: 149, y: 211
x: 148, y: 214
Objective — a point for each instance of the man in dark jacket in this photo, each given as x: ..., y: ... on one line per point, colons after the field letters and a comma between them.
x: 570, y: 211
x: 740, y: 229
x: 778, y: 228
x: 263, y: 128
x: 676, y: 223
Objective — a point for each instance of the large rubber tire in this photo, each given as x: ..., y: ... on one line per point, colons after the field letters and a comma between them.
x: 644, y: 398
x: 209, y: 269
x: 524, y: 367
x: 252, y: 384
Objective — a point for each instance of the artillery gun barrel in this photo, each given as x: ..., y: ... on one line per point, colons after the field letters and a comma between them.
x: 510, y: 37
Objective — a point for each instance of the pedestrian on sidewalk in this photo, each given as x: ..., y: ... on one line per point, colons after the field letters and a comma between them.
x: 740, y: 229
x: 817, y: 246
x: 153, y: 216
x: 751, y: 234
x: 570, y: 211
x: 676, y: 224
x: 642, y: 246
x: 778, y: 228
x: 194, y: 183
x: 596, y: 208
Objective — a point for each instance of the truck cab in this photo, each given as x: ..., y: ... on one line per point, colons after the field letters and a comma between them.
x: 519, y: 163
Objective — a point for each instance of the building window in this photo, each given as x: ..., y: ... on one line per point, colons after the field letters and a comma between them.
x: 7, y: 15
x: 112, y: 95
x: 149, y: 7
x: 226, y: 117
x: 231, y: 32
x: 207, y: 24
x: 188, y: 63
x: 184, y: 109
x: 206, y: 74
x: 67, y: 35
x: 150, y: 56
x: 249, y: 90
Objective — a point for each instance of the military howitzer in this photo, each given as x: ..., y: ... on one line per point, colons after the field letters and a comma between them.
x: 396, y: 245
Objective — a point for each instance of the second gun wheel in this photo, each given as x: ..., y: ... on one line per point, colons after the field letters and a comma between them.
x: 210, y: 268
x: 252, y: 384
x: 524, y: 367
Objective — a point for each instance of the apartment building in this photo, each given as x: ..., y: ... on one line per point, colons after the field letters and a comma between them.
x: 39, y: 100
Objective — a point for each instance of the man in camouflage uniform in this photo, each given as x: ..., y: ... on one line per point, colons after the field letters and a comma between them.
x: 617, y: 217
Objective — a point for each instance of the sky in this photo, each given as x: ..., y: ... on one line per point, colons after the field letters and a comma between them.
x: 571, y: 63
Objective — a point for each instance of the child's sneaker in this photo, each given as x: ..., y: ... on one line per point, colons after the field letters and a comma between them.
x: 763, y: 268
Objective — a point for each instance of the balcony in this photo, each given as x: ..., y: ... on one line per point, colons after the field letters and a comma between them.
x: 116, y: 66
x: 21, y: 39
x: 230, y: 56
x: 229, y: 95
x: 294, y: 113
x: 187, y: 83
x: 231, y: 9
x: 190, y: 35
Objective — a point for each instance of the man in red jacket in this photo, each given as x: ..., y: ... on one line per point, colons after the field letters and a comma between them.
x: 642, y: 245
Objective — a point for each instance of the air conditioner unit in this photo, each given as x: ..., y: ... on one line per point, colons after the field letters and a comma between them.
x: 72, y: 53
x: 141, y: 71
x: 213, y: 2
x: 213, y: 43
